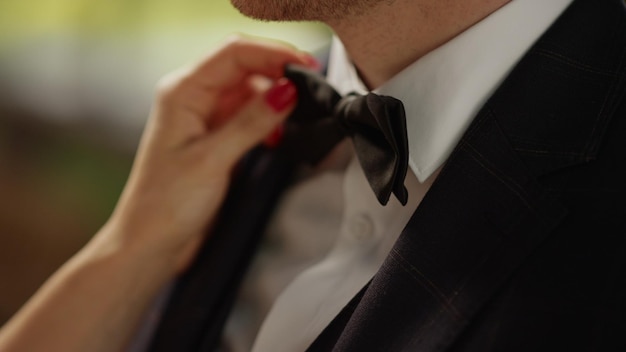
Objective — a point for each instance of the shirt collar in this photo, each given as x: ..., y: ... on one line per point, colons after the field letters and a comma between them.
x: 445, y: 89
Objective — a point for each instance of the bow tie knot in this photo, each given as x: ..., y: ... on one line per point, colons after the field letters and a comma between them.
x: 375, y: 123
x: 343, y: 107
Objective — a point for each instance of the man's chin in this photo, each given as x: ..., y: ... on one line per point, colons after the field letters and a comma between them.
x: 271, y: 10
x: 305, y: 10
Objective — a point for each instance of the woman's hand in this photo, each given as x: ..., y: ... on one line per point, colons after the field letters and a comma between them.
x: 205, y: 118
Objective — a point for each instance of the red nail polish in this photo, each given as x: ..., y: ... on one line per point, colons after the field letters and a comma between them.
x: 282, y: 95
x: 273, y: 140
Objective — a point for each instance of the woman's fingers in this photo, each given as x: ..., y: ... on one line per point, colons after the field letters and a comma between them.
x: 198, y: 101
x: 241, y: 57
x: 251, y: 124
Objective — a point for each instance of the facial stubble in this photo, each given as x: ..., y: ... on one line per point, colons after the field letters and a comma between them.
x: 304, y: 10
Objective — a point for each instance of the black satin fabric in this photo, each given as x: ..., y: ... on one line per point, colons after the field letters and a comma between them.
x: 376, y: 124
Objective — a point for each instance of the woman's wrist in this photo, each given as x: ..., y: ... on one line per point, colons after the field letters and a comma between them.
x: 132, y: 246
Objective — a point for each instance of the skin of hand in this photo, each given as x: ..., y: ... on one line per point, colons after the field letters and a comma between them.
x: 205, y: 118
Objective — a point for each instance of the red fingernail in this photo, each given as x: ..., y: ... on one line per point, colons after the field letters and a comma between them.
x: 282, y: 95
x: 273, y: 140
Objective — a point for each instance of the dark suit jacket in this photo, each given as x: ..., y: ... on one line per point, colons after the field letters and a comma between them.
x: 520, y: 244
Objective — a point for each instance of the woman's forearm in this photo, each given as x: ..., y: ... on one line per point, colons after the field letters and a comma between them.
x: 205, y: 119
x: 93, y: 303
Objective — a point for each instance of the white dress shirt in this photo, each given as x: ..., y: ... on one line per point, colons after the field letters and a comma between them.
x: 442, y: 92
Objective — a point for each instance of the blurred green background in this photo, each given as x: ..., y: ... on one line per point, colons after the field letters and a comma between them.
x: 76, y: 83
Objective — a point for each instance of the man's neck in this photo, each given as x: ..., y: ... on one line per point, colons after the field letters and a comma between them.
x: 385, y: 40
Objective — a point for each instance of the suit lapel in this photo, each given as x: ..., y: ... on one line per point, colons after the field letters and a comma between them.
x: 487, y: 211
x: 481, y: 218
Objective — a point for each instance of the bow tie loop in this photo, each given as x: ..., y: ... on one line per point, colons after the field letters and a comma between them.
x: 376, y: 125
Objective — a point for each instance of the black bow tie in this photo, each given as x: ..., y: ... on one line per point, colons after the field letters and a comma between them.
x: 375, y: 123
